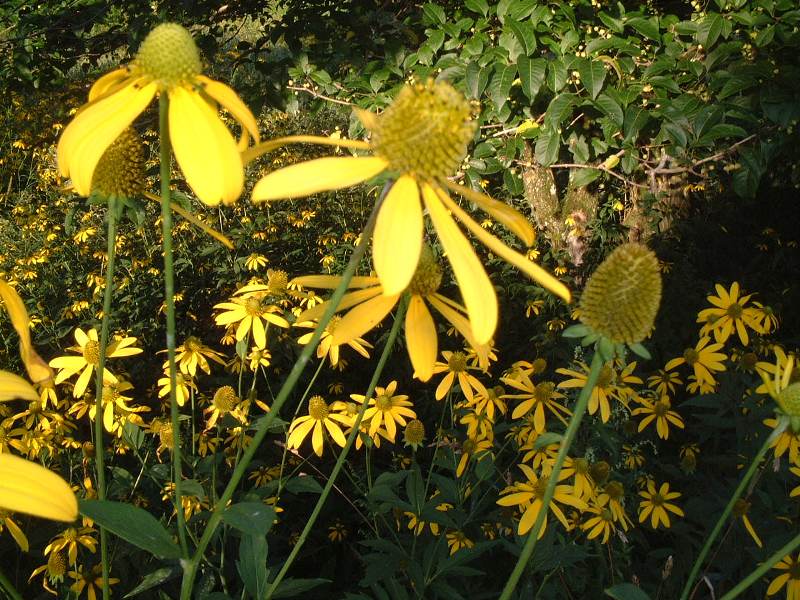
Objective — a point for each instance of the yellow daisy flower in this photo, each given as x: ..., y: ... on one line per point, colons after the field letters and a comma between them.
x: 604, y: 390
x: 253, y: 314
x: 790, y: 579
x: 456, y: 367
x: 472, y: 448
x: 422, y: 136
x: 535, y: 398
x: 70, y: 539
x: 193, y: 353
x: 729, y: 313
x: 456, y: 540
x: 183, y: 387
x: 90, y: 580
x: 387, y: 409
x: 318, y: 419
x: 657, y: 505
x: 19, y: 536
x: 705, y: 359
x: 89, y: 349
x: 329, y: 344
x: 167, y: 62
x: 600, y: 523
x: 661, y: 412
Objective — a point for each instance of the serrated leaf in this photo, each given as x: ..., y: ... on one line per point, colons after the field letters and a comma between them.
x: 525, y: 33
x: 593, y: 75
x: 501, y: 83
x: 132, y: 524
x: 531, y: 74
x: 626, y: 591
x: 253, y: 518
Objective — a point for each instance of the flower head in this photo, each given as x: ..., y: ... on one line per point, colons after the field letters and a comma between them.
x: 167, y: 62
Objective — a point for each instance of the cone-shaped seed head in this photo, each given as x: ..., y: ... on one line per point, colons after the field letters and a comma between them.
x: 120, y: 172
x: 425, y: 131
x: 169, y: 56
x: 621, y: 298
x: 414, y: 433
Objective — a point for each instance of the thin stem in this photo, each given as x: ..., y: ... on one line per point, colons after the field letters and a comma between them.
x: 9, y: 589
x: 728, y: 508
x: 387, y: 350
x: 762, y: 568
x: 169, y: 292
x: 569, y: 436
x: 99, y: 448
x: 190, y: 567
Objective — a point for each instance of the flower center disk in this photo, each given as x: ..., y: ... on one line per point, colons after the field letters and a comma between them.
x: 169, y: 56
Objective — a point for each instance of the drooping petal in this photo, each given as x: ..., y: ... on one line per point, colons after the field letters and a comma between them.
x: 232, y: 103
x: 30, y: 488
x: 502, y: 212
x: 13, y: 387
x: 95, y: 128
x: 421, y: 340
x: 348, y: 300
x: 331, y: 282
x: 320, y: 175
x: 479, y: 296
x: 362, y: 318
x: 36, y: 367
x: 397, y: 241
x: 204, y: 148
x: 531, y: 269
x: 107, y: 82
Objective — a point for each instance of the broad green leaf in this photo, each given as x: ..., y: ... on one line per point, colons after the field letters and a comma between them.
x: 433, y: 13
x: 301, y: 485
x: 253, y: 518
x: 593, y: 74
x: 646, y: 27
x: 559, y: 109
x: 610, y: 107
x: 626, y: 591
x: 154, y: 579
x: 289, y: 588
x: 415, y: 489
x: 478, y: 6
x: 581, y: 177
x: 252, y: 564
x: 501, y: 83
x: 531, y: 74
x: 556, y: 75
x: 547, y: 145
x: 709, y: 29
x: 475, y: 79
x: 132, y: 524
x: 435, y: 40
x: 525, y: 34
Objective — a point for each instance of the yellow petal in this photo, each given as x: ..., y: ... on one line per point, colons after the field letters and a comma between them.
x: 476, y: 289
x: 108, y: 81
x: 264, y: 147
x: 331, y: 282
x: 13, y: 387
x: 348, y: 300
x: 37, y: 369
x: 362, y: 318
x: 397, y: 241
x: 368, y: 119
x: 30, y: 488
x: 17, y: 534
x: 502, y: 212
x: 421, y: 339
x: 531, y: 269
x: 320, y: 175
x: 95, y: 128
x: 204, y: 148
x: 232, y: 103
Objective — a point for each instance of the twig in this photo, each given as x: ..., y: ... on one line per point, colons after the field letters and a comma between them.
x: 298, y: 88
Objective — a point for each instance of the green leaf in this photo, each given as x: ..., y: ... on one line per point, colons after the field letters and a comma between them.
x: 531, y: 74
x: 433, y: 13
x: 639, y: 350
x: 610, y: 108
x: 575, y: 331
x: 559, y: 109
x: 525, y: 34
x: 478, y: 6
x: 547, y: 145
x: 132, y: 524
x: 253, y: 518
x: 303, y: 485
x: 475, y: 79
x: 626, y: 591
x: 556, y: 75
x: 289, y: 588
x: 646, y: 27
x: 581, y: 177
x: 501, y: 83
x: 415, y: 489
x: 252, y: 564
x: 547, y: 438
x: 154, y: 579
x: 709, y: 29
x: 593, y: 74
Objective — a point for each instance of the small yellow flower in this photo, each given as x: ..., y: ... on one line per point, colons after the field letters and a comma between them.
x: 456, y: 367
x: 660, y: 412
x: 705, y: 359
x: 387, y: 409
x: 456, y: 540
x: 730, y: 313
x: 790, y: 579
x: 253, y: 313
x: 657, y: 505
x: 90, y: 580
x: 319, y: 419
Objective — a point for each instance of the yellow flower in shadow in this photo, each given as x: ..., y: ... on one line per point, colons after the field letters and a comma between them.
x: 421, y: 138
x: 167, y: 62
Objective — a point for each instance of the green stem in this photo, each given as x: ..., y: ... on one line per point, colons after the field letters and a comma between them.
x: 387, y: 350
x: 569, y: 436
x: 169, y: 292
x: 728, y: 508
x: 8, y: 588
x: 99, y: 448
x: 190, y: 567
x: 763, y: 568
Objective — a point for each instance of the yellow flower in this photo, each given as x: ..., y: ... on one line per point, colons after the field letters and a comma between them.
x: 70, y: 539
x: 329, y: 344
x: 729, y: 314
x: 167, y: 62
x: 613, y: 496
x: 259, y: 357
x: 89, y: 349
x: 422, y: 136
x: 255, y: 261
x: 664, y: 382
x: 319, y: 417
x: 472, y: 448
x: 661, y: 413
x: 704, y: 359
x: 784, y: 391
x: 602, y: 522
x: 387, y: 409
x: 456, y: 367
x: 603, y: 391
x: 528, y: 496
x: 535, y: 398
x: 183, y: 387
x: 740, y: 509
x: 368, y: 305
x: 225, y: 401
x: 791, y: 579
x: 456, y: 540
x: 253, y: 314
x: 91, y: 580
x: 193, y: 353
x: 657, y: 505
